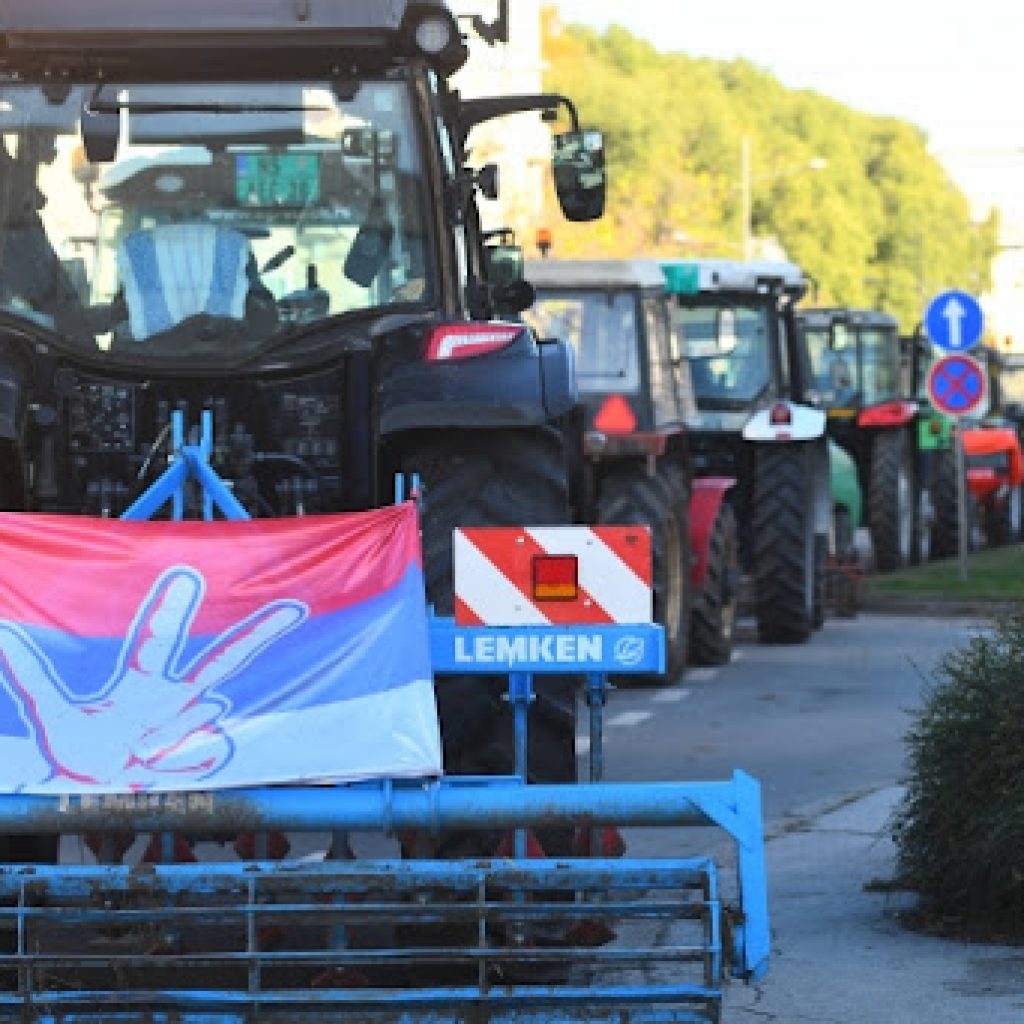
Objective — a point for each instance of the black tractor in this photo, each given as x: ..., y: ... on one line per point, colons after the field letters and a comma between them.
x: 265, y: 210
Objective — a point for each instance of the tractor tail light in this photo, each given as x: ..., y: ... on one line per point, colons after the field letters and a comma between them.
x: 615, y: 416
x: 556, y: 578
x: 448, y: 342
x: 781, y: 415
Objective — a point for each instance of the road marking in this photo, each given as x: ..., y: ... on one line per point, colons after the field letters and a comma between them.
x: 630, y: 717
x: 670, y: 696
x: 702, y: 675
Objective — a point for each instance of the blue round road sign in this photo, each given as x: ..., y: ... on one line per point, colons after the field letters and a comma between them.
x: 957, y: 385
x: 954, y: 321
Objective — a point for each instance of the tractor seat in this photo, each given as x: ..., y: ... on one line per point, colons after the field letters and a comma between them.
x: 175, y: 271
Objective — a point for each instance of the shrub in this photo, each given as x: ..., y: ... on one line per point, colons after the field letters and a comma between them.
x: 959, y: 832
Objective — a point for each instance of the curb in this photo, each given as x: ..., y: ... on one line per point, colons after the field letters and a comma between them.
x: 937, y: 608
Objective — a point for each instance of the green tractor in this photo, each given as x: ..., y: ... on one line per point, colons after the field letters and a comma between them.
x: 936, y: 451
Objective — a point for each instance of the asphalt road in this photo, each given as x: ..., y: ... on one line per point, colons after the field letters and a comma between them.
x: 817, y: 723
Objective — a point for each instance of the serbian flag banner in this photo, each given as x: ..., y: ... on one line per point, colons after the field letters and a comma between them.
x: 159, y: 656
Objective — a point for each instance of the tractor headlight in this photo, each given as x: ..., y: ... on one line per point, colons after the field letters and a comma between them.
x: 434, y: 34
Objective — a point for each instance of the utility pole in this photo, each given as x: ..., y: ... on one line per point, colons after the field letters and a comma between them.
x: 746, y: 186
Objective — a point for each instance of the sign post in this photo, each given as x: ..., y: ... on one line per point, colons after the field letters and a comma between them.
x: 957, y: 384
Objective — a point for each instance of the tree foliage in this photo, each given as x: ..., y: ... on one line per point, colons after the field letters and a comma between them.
x: 882, y: 224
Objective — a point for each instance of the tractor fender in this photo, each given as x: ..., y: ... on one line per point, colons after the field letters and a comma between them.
x: 525, y: 385
x: 804, y: 424
x: 896, y: 413
x: 705, y: 501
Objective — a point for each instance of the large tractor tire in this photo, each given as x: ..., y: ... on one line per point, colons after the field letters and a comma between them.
x: 713, y: 619
x: 785, y: 549
x: 891, y: 500
x: 494, y: 478
x: 945, y: 539
x: 630, y: 497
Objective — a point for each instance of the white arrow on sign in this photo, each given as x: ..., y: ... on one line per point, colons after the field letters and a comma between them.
x: 953, y: 312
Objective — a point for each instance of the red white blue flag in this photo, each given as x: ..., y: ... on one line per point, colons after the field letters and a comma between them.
x: 141, y: 656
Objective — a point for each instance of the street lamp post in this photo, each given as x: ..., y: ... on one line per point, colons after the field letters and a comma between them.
x: 747, y: 179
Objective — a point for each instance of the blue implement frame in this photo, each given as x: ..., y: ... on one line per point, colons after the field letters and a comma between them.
x: 494, y: 905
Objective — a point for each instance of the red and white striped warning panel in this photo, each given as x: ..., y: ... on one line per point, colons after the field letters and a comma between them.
x: 552, y: 575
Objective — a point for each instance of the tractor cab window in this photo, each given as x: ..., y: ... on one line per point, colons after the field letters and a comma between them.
x: 727, y: 347
x: 602, y: 329
x: 879, y: 366
x: 228, y: 215
x: 833, y: 359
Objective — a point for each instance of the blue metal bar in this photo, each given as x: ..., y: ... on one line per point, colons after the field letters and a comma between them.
x: 431, y: 805
x: 177, y: 443
x: 321, y: 1015
x: 167, y: 487
x: 206, y: 450
x: 214, y: 489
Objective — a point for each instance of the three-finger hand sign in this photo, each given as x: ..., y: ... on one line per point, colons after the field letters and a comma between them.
x: 152, y: 717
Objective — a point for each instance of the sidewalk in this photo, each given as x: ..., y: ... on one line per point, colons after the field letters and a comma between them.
x: 839, y: 956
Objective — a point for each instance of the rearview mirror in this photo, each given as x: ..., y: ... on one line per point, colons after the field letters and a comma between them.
x: 101, y: 133
x: 504, y: 264
x: 577, y: 161
x: 839, y: 338
x: 725, y: 330
x: 513, y: 298
x: 372, y: 246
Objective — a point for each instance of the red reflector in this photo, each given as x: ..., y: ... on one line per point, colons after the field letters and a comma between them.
x: 780, y: 415
x: 555, y: 578
x: 615, y: 416
x: 462, y: 341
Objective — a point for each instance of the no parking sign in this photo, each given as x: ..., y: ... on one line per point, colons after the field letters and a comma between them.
x: 957, y: 385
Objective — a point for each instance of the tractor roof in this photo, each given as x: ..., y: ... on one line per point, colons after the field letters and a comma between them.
x: 602, y: 274
x: 822, y: 319
x: 122, y: 39
x: 692, y: 277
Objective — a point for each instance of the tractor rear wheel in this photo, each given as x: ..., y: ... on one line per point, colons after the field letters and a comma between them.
x: 630, y: 497
x: 494, y: 478
x: 785, y: 552
x: 713, y: 619
x: 1003, y: 520
x: 945, y: 539
x: 891, y: 500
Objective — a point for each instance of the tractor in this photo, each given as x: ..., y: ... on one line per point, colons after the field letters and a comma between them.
x: 637, y: 401
x: 244, y: 283
x: 265, y: 212
x: 735, y: 325
x: 855, y: 359
x: 992, y: 450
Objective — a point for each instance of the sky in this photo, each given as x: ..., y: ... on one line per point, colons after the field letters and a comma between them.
x: 956, y: 69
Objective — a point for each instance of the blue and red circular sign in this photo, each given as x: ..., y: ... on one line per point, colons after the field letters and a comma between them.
x: 957, y: 385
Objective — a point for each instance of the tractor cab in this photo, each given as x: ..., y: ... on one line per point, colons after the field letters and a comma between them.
x: 616, y: 317
x: 267, y: 211
x: 855, y: 358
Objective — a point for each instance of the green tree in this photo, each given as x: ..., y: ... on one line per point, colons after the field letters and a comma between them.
x: 881, y: 225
